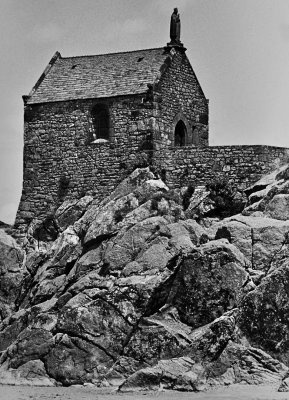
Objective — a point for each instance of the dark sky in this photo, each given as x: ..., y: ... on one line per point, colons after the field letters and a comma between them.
x: 238, y: 49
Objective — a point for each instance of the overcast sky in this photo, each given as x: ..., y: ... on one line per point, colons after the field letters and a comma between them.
x: 239, y: 50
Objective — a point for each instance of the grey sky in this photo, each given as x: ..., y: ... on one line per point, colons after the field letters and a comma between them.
x: 238, y: 49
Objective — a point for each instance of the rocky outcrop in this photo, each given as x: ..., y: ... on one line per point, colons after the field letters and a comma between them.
x: 11, y: 273
x: 269, y: 196
x: 237, y: 364
x: 264, y: 313
x: 261, y: 240
x: 133, y: 293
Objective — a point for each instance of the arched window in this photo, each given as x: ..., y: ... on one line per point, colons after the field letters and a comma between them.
x: 100, y: 120
x: 180, y: 134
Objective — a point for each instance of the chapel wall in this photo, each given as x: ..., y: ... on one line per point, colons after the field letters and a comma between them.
x: 181, y: 98
x: 60, y: 160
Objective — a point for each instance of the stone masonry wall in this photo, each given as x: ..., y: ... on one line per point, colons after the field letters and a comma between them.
x: 61, y: 162
x: 243, y: 165
x: 181, y: 98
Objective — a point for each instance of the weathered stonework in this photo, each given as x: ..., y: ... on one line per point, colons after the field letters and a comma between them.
x: 62, y: 159
x: 242, y: 165
x: 181, y: 98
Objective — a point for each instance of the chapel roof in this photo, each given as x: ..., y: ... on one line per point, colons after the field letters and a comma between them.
x: 98, y: 76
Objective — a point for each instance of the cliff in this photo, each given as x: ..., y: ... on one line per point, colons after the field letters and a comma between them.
x: 151, y: 288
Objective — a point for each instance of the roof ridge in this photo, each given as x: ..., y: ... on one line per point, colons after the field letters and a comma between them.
x: 108, y: 54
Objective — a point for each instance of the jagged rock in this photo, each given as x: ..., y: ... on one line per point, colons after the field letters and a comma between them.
x: 268, y: 180
x: 278, y: 207
x: 31, y: 344
x: 164, y: 336
x: 105, y: 222
x: 255, y: 197
x: 177, y: 373
x: 109, y: 217
x: 259, y: 239
x: 236, y: 365
x: 186, y: 232
x: 11, y: 273
x: 128, y: 243
x: 75, y: 361
x: 32, y: 373
x: 206, y: 357
x: 128, y: 195
x: 11, y: 328
x: 132, y: 293
x: 236, y: 232
x: 51, y: 275
x: 256, y: 275
x: 70, y: 211
x: 218, y: 199
x: 265, y: 314
x: 210, y: 281
x: 91, y: 260
x: 269, y: 196
x: 246, y: 365
x: 200, y: 203
x: 134, y: 181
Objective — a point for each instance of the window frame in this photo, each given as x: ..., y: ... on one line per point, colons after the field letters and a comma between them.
x: 100, y: 118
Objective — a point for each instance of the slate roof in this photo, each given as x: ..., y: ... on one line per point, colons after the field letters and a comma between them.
x: 105, y: 75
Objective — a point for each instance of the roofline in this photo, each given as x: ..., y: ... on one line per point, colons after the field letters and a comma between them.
x: 118, y: 52
x: 197, y: 79
x: 53, y: 60
x: 90, y: 98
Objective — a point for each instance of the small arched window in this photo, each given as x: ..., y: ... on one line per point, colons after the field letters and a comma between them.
x: 180, y: 134
x: 100, y: 120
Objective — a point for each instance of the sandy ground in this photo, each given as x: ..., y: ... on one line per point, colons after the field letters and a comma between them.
x: 234, y: 392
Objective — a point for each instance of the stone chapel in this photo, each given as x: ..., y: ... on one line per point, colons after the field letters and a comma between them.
x: 90, y: 120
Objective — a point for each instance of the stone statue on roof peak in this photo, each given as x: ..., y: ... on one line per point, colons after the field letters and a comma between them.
x: 175, y: 27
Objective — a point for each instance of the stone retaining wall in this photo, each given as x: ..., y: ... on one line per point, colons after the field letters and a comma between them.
x: 101, y: 167
x: 243, y: 165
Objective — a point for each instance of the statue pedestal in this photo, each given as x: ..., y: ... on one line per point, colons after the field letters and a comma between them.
x: 176, y: 45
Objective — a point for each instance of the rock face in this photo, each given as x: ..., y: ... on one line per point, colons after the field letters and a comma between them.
x: 261, y: 240
x: 265, y: 313
x: 133, y: 294
x: 11, y: 273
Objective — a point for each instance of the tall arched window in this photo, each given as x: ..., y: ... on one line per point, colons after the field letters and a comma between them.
x: 180, y: 134
x: 100, y: 120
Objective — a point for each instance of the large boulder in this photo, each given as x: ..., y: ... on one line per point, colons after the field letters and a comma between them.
x: 209, y: 282
x: 278, y: 207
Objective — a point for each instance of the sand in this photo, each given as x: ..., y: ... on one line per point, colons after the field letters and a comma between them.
x: 234, y: 392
